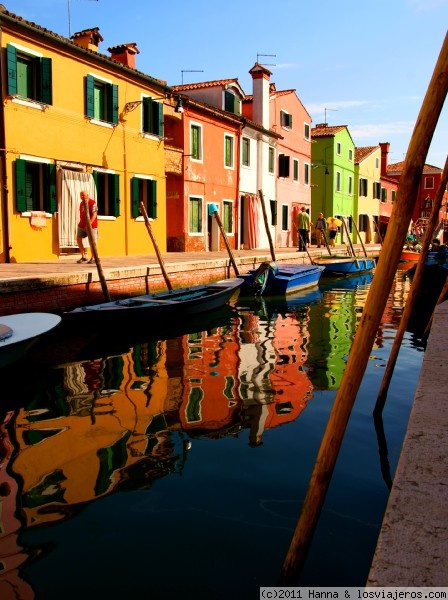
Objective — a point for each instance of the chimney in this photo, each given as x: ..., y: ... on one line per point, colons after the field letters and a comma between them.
x: 385, y: 146
x: 124, y: 54
x: 260, y: 85
x: 89, y: 39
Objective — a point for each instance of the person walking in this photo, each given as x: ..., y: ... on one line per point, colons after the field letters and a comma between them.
x: 333, y: 230
x: 81, y: 233
x: 303, y: 226
x: 321, y: 226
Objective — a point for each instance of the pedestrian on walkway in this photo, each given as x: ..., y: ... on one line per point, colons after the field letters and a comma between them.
x: 333, y: 229
x: 303, y: 227
x: 321, y: 226
x: 82, y: 226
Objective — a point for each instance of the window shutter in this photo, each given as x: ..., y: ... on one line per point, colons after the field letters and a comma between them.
x: 50, y: 202
x: 46, y: 83
x: 159, y: 118
x: 12, y: 69
x: 135, y: 209
x: 20, y: 185
x: 116, y: 200
x: 112, y: 104
x: 147, y: 115
x: 152, y: 200
x: 90, y: 98
x: 229, y: 101
x: 273, y: 204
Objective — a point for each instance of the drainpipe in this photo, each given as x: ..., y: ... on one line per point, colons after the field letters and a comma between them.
x: 238, y: 175
x: 3, y: 170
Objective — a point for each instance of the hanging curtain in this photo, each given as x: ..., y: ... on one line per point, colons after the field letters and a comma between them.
x: 252, y: 220
x: 72, y: 184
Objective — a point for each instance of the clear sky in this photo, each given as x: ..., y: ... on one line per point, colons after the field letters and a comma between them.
x: 367, y: 62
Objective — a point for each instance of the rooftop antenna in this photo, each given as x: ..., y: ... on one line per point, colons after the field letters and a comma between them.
x: 69, y: 17
x: 189, y: 71
x: 266, y: 64
x: 333, y: 109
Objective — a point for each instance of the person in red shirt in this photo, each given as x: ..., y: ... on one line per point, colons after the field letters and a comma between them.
x: 82, y: 226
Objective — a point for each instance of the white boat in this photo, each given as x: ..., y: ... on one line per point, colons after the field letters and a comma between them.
x: 20, y: 331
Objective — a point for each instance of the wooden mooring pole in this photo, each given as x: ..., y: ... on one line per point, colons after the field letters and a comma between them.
x: 370, y: 320
x: 94, y: 249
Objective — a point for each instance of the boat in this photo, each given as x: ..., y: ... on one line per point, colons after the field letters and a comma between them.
x: 163, y: 308
x: 274, y: 280
x: 19, y: 332
x: 409, y: 255
x: 345, y: 266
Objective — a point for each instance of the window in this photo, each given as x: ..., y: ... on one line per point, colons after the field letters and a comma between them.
x: 307, y: 130
x: 285, y: 220
x: 283, y: 165
x: 429, y: 183
x: 377, y: 163
x: 107, y: 193
x: 273, y: 205
x: 227, y: 216
x: 232, y: 103
x: 350, y: 185
x: 376, y: 190
x: 246, y: 152
x: 350, y: 155
x: 285, y: 119
x: 35, y: 186
x: 196, y: 142
x: 338, y: 149
x: 338, y: 181
x: 306, y: 173
x: 271, y: 159
x: 363, y: 221
x: 29, y: 75
x: 383, y: 194
x: 363, y: 187
x: 295, y: 169
x: 144, y: 190
x: 195, y: 215
x: 101, y: 100
x: 152, y: 117
x: 228, y: 151
x: 394, y: 194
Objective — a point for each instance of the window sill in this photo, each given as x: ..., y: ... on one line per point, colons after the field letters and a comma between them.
x: 30, y: 103
x: 105, y: 124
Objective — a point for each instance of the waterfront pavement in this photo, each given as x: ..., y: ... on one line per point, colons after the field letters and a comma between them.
x: 412, y: 548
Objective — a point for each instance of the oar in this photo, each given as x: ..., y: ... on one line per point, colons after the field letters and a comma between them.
x: 94, y: 249
x: 378, y: 231
x: 304, y: 245
x: 266, y: 224
x: 213, y: 211
x: 324, y: 233
x: 350, y: 241
x: 359, y: 237
x: 156, y: 247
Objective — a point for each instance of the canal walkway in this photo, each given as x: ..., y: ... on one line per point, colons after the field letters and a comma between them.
x: 412, y: 547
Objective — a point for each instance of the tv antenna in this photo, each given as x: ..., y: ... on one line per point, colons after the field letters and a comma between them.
x: 69, y: 16
x: 325, y: 109
x: 266, y: 64
x: 189, y: 71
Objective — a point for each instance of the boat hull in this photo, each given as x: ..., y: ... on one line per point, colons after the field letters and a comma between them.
x: 282, y: 280
x: 343, y: 267
x: 159, y: 309
x: 26, y: 329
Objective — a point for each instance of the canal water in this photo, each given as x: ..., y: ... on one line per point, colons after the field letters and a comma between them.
x: 177, y: 467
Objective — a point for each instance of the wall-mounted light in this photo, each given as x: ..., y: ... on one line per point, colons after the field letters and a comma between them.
x: 179, y: 108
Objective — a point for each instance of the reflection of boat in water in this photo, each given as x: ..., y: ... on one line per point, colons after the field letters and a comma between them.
x: 269, y: 306
x: 431, y: 285
x: 346, y: 283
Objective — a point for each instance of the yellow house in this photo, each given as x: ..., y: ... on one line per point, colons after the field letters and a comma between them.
x: 74, y: 119
x: 368, y: 192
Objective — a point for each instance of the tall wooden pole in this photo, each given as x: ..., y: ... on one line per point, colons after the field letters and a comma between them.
x: 416, y: 282
x: 350, y: 241
x: 215, y: 214
x: 94, y: 249
x: 359, y: 237
x: 156, y: 247
x: 371, y: 318
x: 266, y: 224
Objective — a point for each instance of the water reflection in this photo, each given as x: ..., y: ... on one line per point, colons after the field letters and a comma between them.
x: 129, y: 414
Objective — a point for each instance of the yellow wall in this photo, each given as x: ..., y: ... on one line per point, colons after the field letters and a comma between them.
x: 61, y: 132
x: 369, y: 205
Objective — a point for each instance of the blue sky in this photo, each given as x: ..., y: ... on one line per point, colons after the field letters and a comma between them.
x: 367, y: 62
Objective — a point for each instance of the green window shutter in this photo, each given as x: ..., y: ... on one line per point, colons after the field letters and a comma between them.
x: 135, y: 209
x: 95, y: 178
x: 116, y: 190
x: 90, y: 96
x: 12, y: 69
x: 152, y: 198
x: 20, y: 185
x: 50, y: 202
x: 159, y: 118
x: 46, y: 83
x: 112, y: 109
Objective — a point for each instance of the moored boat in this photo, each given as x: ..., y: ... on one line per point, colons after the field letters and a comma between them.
x: 20, y: 331
x: 271, y: 279
x: 162, y: 308
x: 336, y: 266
